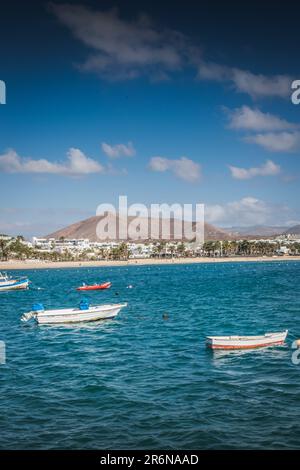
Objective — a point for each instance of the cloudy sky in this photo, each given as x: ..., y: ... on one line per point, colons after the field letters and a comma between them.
x: 159, y: 101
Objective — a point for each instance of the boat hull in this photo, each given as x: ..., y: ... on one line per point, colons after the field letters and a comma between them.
x: 246, y: 342
x: 51, y: 317
x: 14, y: 285
x: 107, y: 285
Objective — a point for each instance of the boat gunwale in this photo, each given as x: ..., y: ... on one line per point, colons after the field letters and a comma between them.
x: 65, y: 321
x: 104, y: 285
x: 77, y: 311
x: 249, y: 337
x: 14, y: 283
x: 254, y: 346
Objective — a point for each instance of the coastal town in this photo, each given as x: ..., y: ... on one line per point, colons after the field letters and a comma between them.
x: 83, y: 249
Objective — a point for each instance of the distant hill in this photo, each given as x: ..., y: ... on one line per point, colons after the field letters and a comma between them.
x: 87, y: 228
x: 258, y: 231
x: 293, y: 230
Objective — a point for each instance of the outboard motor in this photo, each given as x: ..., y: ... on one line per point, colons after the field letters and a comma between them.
x: 35, y: 309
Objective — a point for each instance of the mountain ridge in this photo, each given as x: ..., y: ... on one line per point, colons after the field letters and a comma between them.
x: 87, y: 228
x: 295, y: 230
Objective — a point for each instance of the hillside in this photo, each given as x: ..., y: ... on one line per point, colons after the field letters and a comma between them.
x: 258, y: 231
x: 293, y: 230
x: 87, y: 228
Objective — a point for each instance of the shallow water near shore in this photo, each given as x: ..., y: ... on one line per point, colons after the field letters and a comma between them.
x: 145, y: 379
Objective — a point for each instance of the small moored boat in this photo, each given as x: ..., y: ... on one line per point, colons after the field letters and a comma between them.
x: 246, y: 342
x: 10, y: 283
x: 105, y: 285
x: 85, y: 313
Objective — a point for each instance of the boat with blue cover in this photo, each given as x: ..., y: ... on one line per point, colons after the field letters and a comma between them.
x: 84, y: 313
x: 12, y: 283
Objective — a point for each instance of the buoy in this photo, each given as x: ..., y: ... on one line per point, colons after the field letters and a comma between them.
x: 129, y: 287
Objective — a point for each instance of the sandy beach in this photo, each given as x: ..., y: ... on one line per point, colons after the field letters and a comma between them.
x: 28, y: 264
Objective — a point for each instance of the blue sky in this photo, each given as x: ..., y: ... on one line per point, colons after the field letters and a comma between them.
x: 160, y: 103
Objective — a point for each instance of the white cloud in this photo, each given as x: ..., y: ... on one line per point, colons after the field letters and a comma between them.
x: 126, y: 49
x: 119, y: 150
x: 123, y: 49
x: 276, y: 134
x: 77, y: 164
x: 183, y: 168
x: 244, y: 81
x: 268, y: 169
x: 245, y: 212
x: 276, y: 142
x: 252, y: 119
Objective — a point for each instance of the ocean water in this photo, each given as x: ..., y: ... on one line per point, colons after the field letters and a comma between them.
x: 145, y: 382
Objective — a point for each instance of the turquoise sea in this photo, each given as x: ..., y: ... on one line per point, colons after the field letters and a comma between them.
x: 144, y: 380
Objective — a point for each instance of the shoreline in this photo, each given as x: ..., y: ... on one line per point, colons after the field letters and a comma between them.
x: 21, y: 265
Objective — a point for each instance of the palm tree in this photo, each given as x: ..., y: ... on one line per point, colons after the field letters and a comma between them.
x: 161, y: 248
x: 18, y: 248
x: 4, y: 248
x: 155, y: 249
x: 123, y: 251
x: 209, y: 248
x: 225, y: 247
x: 295, y: 248
x: 244, y: 247
x: 217, y: 248
x: 172, y: 250
x: 140, y: 250
x: 181, y: 249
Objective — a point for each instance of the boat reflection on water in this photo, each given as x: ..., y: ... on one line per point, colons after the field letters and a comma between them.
x: 221, y: 357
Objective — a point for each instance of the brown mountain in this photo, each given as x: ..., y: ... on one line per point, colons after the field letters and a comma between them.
x: 257, y: 231
x: 88, y: 228
x: 293, y: 230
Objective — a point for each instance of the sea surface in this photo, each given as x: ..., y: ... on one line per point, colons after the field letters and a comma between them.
x: 145, y: 380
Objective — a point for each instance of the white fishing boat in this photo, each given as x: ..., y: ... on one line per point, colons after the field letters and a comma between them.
x: 85, y: 313
x: 246, y: 342
x: 10, y: 283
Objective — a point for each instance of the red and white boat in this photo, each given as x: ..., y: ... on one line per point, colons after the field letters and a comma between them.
x: 246, y: 342
x: 105, y: 285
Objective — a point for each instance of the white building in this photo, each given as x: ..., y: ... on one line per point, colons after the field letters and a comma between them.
x: 140, y: 250
x: 135, y: 249
x: 52, y: 244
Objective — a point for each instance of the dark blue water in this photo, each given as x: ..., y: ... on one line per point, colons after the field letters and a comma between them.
x: 144, y: 382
